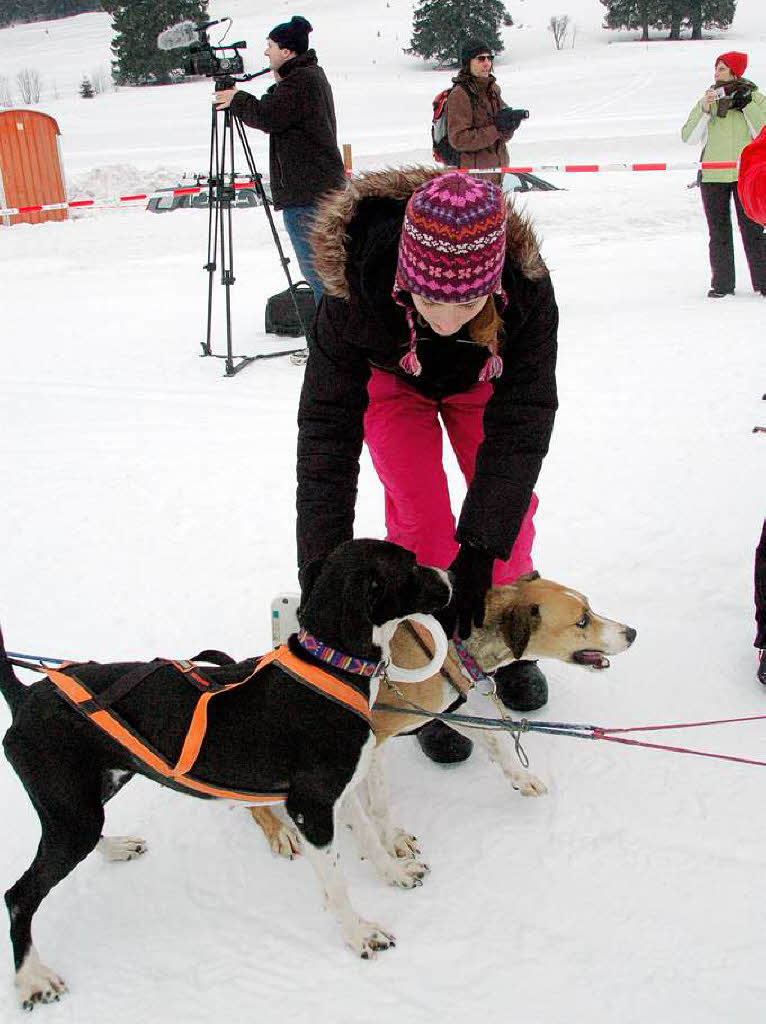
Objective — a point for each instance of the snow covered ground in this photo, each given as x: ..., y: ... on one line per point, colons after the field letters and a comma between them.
x: 148, y: 509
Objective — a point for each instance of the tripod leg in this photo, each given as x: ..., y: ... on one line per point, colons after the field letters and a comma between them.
x: 227, y: 243
x: 212, y: 227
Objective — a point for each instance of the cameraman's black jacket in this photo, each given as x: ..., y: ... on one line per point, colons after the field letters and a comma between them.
x: 359, y: 325
x: 299, y: 115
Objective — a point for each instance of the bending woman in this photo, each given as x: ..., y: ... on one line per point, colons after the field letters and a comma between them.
x: 438, y: 316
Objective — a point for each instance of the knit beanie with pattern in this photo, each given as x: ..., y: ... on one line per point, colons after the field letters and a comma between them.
x: 452, y: 246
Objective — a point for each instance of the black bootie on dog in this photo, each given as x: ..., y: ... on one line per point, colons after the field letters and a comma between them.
x: 521, y: 686
x: 442, y: 744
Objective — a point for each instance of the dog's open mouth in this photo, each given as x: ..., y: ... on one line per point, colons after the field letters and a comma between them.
x: 591, y: 659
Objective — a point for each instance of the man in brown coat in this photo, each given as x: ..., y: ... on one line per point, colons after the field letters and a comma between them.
x: 472, y: 107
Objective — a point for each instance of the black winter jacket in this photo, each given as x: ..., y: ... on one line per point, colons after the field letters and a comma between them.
x: 359, y: 325
x: 299, y: 115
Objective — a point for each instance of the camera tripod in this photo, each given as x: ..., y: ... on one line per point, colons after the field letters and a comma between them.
x: 222, y: 195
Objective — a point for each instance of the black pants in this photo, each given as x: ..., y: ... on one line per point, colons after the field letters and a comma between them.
x: 716, y: 201
x: 760, y: 591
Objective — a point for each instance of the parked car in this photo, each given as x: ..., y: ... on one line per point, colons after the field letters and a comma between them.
x: 523, y: 181
x: 166, y: 201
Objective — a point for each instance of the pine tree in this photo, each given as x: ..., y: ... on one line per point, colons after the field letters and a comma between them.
x: 440, y: 27
x: 86, y: 89
x: 674, y: 15
x: 631, y: 14
x: 136, y: 24
x: 710, y: 14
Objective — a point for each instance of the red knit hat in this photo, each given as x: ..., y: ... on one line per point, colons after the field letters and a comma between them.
x: 735, y: 61
x: 752, y: 179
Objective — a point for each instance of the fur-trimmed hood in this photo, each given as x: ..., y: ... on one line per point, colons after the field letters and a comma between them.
x: 387, y: 192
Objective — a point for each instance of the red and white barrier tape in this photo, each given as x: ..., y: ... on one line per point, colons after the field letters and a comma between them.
x: 600, y: 168
x: 79, y: 204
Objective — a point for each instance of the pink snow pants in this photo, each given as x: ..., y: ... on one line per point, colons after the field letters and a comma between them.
x: 404, y: 437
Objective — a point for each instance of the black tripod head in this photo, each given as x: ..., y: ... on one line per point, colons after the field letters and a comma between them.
x: 227, y: 82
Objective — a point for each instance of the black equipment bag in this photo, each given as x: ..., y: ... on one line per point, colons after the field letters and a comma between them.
x: 281, y: 317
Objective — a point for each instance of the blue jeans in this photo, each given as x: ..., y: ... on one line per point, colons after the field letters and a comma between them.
x: 298, y: 221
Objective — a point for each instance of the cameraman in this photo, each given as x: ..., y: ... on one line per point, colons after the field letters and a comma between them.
x: 727, y: 116
x: 478, y: 122
x: 298, y: 114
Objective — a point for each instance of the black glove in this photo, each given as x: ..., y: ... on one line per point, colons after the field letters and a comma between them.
x: 508, y: 120
x: 471, y: 578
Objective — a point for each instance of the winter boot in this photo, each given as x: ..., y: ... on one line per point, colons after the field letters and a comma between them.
x: 521, y: 686
x: 762, y: 667
x: 442, y: 744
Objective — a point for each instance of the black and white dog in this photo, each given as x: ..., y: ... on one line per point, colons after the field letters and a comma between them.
x: 275, y: 734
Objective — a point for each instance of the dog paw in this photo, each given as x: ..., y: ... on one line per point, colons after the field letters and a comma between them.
x: 36, y: 983
x: 282, y: 837
x: 527, y: 783
x: 407, y: 874
x: 285, y: 841
x: 115, y: 848
x: 403, y: 845
x: 367, y: 939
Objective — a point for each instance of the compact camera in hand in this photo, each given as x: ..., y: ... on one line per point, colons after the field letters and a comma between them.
x: 508, y: 120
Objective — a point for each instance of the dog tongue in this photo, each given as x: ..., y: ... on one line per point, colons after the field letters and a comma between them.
x: 593, y: 659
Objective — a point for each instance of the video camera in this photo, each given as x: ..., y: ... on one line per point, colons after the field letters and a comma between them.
x: 202, y: 58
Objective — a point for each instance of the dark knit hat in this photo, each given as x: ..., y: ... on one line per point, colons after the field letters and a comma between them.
x: 452, y: 246
x: 752, y: 179
x: 292, y: 34
x: 735, y: 61
x: 472, y: 48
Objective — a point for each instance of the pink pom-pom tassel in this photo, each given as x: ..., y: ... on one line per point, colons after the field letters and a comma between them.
x: 410, y: 363
x: 492, y: 368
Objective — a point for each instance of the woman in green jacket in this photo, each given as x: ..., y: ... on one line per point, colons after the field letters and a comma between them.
x: 727, y: 117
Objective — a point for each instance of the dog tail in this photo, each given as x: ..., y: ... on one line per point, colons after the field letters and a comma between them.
x: 11, y: 686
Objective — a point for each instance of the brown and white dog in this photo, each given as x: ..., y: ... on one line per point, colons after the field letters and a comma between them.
x: 531, y: 618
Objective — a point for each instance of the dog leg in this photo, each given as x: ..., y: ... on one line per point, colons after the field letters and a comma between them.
x: 502, y: 754
x: 116, y: 848
x: 397, y: 842
x: 313, y: 802
x: 403, y: 872
x: 68, y: 803
x: 365, y: 938
x: 283, y: 837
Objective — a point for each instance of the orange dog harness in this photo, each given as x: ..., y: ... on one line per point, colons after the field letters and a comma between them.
x: 96, y: 708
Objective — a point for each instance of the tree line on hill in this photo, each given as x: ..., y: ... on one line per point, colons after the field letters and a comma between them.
x: 16, y: 11
x: 673, y: 15
x: 440, y: 27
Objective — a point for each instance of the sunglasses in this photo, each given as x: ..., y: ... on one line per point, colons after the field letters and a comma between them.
x: 485, y: 56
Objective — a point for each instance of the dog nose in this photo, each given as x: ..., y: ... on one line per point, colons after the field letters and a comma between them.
x: 630, y: 634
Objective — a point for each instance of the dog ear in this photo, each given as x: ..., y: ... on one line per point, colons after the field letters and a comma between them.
x: 356, y: 604
x: 307, y: 577
x: 519, y: 623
